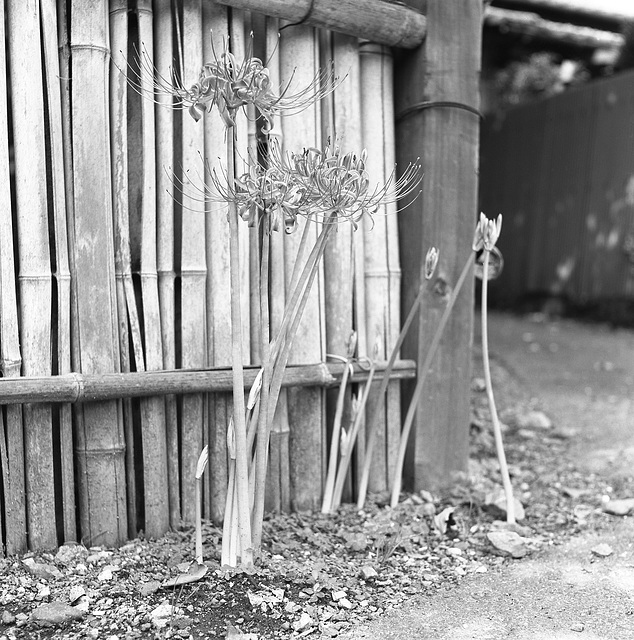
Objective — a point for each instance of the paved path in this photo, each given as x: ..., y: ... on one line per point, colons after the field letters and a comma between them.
x: 584, y: 378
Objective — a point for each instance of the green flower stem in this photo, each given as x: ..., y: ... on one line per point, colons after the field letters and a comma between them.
x: 239, y: 417
x: 344, y: 465
x: 497, y: 431
x: 422, y: 376
x: 371, y: 428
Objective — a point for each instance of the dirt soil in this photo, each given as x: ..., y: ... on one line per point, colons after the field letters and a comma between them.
x: 582, y: 377
x: 427, y: 569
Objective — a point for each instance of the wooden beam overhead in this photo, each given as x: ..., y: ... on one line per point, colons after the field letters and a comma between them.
x: 606, y: 11
x: 388, y: 23
x: 533, y: 25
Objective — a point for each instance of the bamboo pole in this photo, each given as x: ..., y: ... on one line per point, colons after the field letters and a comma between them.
x: 99, y: 437
x: 153, y: 432
x: 34, y: 276
x: 216, y: 26
x: 62, y: 358
x: 340, y: 275
x: 299, y: 56
x: 129, y: 329
x: 278, y: 492
x: 389, y: 23
x: 443, y: 216
x: 87, y: 388
x: 164, y: 144
x: 193, y: 267
x: 375, y: 83
x: 11, y: 436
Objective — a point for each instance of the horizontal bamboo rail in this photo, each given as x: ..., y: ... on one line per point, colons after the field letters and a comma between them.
x: 390, y: 23
x: 78, y: 387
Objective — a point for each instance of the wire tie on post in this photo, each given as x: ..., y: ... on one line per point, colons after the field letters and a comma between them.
x: 420, y: 106
x: 300, y: 22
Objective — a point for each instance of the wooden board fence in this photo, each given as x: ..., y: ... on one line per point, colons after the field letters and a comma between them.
x: 114, y: 265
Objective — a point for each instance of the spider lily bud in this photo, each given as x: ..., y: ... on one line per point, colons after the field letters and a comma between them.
x: 487, y: 233
x: 431, y: 262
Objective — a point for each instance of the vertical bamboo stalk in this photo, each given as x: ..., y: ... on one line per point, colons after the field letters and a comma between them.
x: 99, y: 435
x: 445, y: 69
x: 164, y: 127
x: 375, y: 72
x: 278, y: 478
x: 216, y: 25
x: 62, y: 359
x: 152, y: 409
x: 299, y: 53
x: 34, y: 260
x: 12, y: 452
x: 129, y: 330
x: 339, y: 257
x: 193, y: 267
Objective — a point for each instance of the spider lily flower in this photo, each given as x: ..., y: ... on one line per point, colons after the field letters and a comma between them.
x: 230, y: 84
x: 431, y: 262
x: 487, y: 233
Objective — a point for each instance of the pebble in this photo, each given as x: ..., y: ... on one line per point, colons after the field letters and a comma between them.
x: 55, y: 613
x: 602, y: 550
x: 619, y: 507
x: 508, y: 542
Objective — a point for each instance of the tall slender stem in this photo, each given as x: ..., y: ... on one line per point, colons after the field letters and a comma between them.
x: 497, y: 431
x: 242, y: 466
x: 378, y: 409
x: 422, y: 376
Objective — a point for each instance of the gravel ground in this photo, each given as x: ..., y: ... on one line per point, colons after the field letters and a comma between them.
x: 348, y: 574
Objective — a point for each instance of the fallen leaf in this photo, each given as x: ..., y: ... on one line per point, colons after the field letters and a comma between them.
x: 195, y: 573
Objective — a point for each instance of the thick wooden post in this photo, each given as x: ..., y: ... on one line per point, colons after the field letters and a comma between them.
x: 436, y: 110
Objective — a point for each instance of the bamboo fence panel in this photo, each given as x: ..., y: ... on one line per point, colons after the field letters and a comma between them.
x: 193, y: 267
x: 34, y: 276
x: 164, y: 146
x: 216, y: 26
x: 11, y: 435
x: 299, y: 56
x: 278, y: 496
x: 129, y: 330
x: 382, y: 274
x: 99, y: 435
x: 61, y: 312
x: 153, y: 431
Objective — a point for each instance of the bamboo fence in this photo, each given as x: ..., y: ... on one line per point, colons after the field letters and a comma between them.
x: 115, y: 326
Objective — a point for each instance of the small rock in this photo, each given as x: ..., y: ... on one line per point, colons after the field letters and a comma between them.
x: 162, y: 614
x: 149, y: 587
x: 43, y: 592
x: 70, y: 553
x: 368, y: 572
x: 534, y: 420
x: 42, y: 570
x: 619, y: 507
x: 344, y: 603
x: 304, y: 621
x: 577, y: 626
x: 602, y: 550
x: 338, y: 595
x: 7, y: 617
x: 55, y: 613
x: 497, y: 501
x: 508, y: 542
x: 76, y: 592
x: 105, y: 574
x: 478, y: 384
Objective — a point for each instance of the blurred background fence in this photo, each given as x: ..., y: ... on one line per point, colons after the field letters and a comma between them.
x: 561, y: 170
x: 108, y: 268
